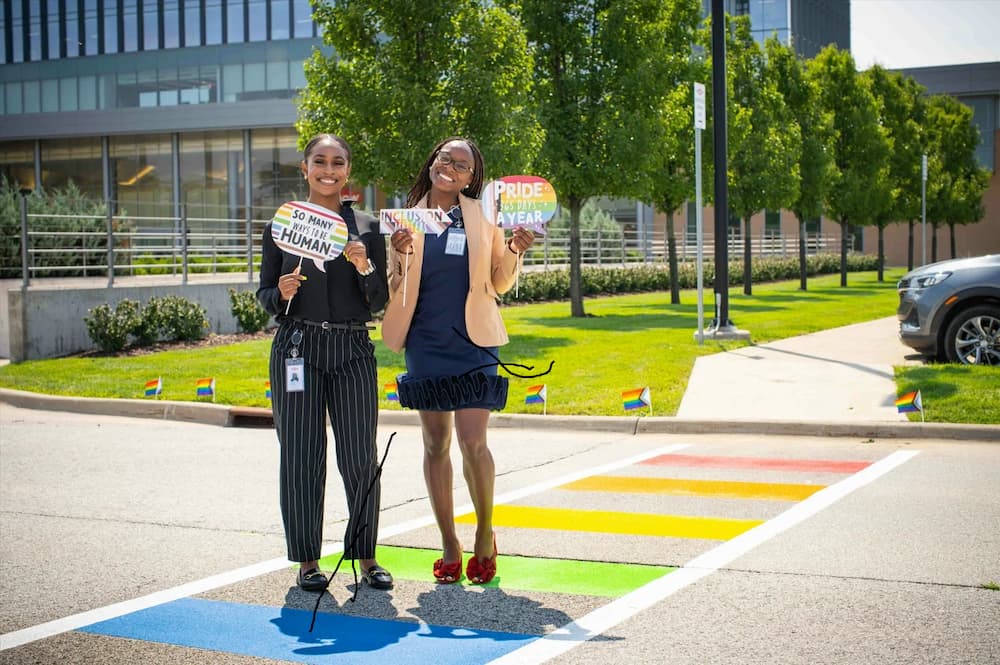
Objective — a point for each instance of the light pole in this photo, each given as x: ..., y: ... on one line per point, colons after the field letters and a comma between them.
x: 923, y: 209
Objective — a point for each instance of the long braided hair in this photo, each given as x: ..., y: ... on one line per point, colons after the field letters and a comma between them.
x: 423, y: 182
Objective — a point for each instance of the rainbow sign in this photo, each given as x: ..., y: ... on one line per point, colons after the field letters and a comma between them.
x: 636, y: 399
x: 520, y: 200
x: 391, y: 393
x: 310, y: 231
x: 418, y: 220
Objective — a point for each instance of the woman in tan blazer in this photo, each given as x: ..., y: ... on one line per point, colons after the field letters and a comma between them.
x: 450, y: 326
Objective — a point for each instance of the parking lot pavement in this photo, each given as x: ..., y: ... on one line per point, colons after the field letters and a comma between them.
x: 157, y: 541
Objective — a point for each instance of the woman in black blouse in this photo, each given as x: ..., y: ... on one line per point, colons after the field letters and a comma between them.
x: 322, y: 361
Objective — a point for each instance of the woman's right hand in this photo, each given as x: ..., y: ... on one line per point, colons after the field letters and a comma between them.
x: 289, y: 284
x: 402, y: 241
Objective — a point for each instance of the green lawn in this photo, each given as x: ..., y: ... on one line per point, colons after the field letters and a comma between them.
x: 625, y: 342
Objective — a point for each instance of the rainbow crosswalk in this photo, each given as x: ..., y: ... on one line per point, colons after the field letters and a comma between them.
x: 629, y: 527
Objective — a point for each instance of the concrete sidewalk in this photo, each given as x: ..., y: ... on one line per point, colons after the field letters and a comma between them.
x: 842, y: 374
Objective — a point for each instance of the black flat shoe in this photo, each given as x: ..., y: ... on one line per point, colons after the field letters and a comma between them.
x: 312, y: 580
x: 378, y: 577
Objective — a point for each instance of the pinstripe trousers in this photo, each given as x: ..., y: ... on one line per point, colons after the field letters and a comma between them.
x: 340, y: 378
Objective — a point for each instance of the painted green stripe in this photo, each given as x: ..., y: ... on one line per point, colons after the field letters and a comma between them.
x: 519, y: 573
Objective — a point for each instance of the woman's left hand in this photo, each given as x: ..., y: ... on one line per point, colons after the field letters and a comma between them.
x: 356, y: 253
x: 521, y: 240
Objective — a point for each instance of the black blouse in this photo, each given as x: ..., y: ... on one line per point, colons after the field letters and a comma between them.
x: 341, y: 294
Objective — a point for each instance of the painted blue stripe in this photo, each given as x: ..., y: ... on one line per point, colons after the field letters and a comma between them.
x: 282, y: 633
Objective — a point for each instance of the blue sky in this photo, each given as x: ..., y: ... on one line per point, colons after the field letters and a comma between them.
x: 923, y: 33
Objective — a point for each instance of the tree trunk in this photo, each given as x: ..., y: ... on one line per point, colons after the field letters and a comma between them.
x: 845, y: 229
x: 933, y: 244
x: 675, y: 290
x: 802, y: 255
x: 951, y: 229
x: 881, y: 253
x: 909, y: 248
x: 575, y: 281
x: 747, y: 250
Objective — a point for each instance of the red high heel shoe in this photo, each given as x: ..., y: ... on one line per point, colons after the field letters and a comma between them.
x: 448, y: 573
x: 481, y: 571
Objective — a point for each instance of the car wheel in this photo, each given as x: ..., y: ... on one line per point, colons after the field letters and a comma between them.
x: 973, y: 337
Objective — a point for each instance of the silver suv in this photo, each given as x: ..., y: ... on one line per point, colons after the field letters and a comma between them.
x: 951, y: 310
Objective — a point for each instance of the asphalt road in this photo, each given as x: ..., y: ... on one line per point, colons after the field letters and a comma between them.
x: 108, y: 519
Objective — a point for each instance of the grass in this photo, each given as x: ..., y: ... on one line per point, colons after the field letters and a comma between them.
x: 625, y: 342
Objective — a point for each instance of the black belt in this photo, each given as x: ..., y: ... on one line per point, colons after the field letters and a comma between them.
x: 327, y: 325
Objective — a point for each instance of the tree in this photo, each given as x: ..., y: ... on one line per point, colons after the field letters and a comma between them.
x: 816, y: 167
x: 672, y: 147
x: 860, y: 149
x: 600, y: 68
x: 764, y: 140
x: 901, y: 109
x: 401, y: 80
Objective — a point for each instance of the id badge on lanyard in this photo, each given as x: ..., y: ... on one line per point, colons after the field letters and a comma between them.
x: 295, y: 367
x: 456, y: 242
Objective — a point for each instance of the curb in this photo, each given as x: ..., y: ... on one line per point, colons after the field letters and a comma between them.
x: 243, y: 416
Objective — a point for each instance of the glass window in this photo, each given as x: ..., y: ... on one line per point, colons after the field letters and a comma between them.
x: 212, y: 174
x: 213, y: 22
x: 106, y: 91
x: 53, y: 30
x: 35, y: 32
x: 73, y: 160
x: 277, y: 75
x: 67, y: 94
x: 88, y: 93
x: 232, y: 82
x: 32, y: 92
x: 772, y: 223
x: 15, y: 31
x: 234, y: 21
x: 141, y: 180
x: 130, y: 23
x: 126, y: 91
x: 90, y: 22
x: 74, y: 41
x: 302, y: 18
x: 275, y: 168
x: 254, y: 79
x: 12, y: 97
x: 3, y: 42
x: 192, y: 23
x: 258, y: 20
x: 171, y: 24
x: 50, y: 95
x: 147, y: 88
x: 280, y: 17
x: 17, y: 162
x: 110, y: 27
x: 775, y: 14
x: 150, y: 27
x: 297, y: 74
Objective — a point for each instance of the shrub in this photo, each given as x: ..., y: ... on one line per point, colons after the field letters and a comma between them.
x: 179, y: 318
x: 250, y: 316
x: 109, y: 328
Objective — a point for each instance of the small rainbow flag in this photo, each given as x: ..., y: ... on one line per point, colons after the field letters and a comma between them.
x: 636, y: 399
x: 267, y: 389
x: 205, y: 388
x: 910, y: 402
x: 154, y: 387
x: 535, y: 395
x: 390, y: 392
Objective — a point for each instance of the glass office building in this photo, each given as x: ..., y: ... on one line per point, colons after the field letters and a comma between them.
x: 155, y: 103
x: 808, y: 25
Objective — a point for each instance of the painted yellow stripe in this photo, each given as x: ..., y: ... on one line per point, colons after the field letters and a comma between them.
x: 683, y: 487
x: 604, y: 521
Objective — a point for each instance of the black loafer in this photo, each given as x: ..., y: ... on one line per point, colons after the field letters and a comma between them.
x: 312, y: 580
x: 378, y: 577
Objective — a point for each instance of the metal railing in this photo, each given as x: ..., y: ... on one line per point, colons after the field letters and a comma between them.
x: 128, y: 245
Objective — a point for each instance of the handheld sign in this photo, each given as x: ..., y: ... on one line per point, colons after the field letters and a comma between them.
x: 520, y: 200
x: 309, y: 231
x: 418, y: 220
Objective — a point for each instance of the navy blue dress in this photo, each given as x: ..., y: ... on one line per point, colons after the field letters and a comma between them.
x: 445, y: 372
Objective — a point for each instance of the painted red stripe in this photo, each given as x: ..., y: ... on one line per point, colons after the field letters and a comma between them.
x: 707, y: 461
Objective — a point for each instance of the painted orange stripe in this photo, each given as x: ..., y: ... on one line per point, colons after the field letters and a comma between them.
x: 722, y: 462
x: 602, y: 521
x: 685, y: 487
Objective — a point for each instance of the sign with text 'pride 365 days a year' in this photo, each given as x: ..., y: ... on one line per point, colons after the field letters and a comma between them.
x: 310, y: 231
x: 519, y: 200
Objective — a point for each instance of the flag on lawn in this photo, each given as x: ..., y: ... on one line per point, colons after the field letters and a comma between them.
x: 910, y: 402
x: 205, y: 388
x: 390, y: 392
x: 636, y: 399
x: 535, y: 395
x: 267, y: 389
x: 154, y: 387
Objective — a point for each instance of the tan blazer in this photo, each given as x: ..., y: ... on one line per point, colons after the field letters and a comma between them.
x: 492, y: 270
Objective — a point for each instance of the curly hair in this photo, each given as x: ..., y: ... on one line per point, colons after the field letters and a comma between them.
x: 423, y: 182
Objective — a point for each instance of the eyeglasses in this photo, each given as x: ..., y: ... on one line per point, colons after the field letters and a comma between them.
x: 446, y: 159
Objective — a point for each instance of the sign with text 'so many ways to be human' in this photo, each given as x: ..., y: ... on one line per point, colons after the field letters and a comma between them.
x: 309, y: 231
